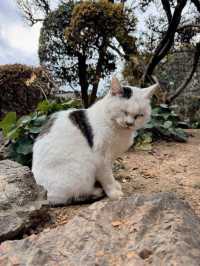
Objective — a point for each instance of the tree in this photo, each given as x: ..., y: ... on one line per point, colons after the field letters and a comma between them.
x: 165, y: 34
x: 79, y: 43
x: 34, y: 10
x: 169, y: 32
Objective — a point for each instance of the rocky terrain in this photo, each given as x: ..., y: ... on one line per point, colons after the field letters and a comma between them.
x: 157, y: 222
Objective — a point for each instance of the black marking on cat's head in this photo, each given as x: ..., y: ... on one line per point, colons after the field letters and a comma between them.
x: 127, y: 92
x: 80, y: 120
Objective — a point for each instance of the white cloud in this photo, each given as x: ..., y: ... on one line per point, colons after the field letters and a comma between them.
x: 18, y: 41
x: 22, y: 38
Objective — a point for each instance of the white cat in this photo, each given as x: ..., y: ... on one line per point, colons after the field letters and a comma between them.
x: 81, y: 145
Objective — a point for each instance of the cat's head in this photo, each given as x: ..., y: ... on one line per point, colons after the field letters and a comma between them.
x: 129, y: 107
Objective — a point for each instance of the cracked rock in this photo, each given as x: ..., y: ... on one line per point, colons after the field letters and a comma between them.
x: 22, y: 201
x: 135, y: 231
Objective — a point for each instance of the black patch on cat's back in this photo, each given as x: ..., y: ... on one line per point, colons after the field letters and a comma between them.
x: 127, y: 92
x: 80, y: 120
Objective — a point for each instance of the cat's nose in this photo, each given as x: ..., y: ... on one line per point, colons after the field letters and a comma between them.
x: 129, y: 124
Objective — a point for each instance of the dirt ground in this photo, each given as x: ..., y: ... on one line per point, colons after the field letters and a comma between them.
x: 169, y: 166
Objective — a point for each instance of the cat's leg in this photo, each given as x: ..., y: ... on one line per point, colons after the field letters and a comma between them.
x: 97, y: 193
x: 111, y: 187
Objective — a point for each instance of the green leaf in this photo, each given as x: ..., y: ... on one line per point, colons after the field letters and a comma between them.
x: 183, y: 124
x: 166, y: 116
x: 144, y: 142
x: 35, y: 130
x: 143, y: 146
x: 155, y: 110
x: 13, y: 134
x: 147, y: 137
x: 40, y: 120
x: 179, y: 135
x: 24, y: 146
x: 164, y: 106
x: 167, y: 124
x: 150, y: 125
x: 24, y: 120
x: 43, y: 106
x: 8, y: 122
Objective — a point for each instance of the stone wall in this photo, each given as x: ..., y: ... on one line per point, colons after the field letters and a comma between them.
x: 175, y: 70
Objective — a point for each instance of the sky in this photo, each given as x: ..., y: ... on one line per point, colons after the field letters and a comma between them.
x: 18, y: 41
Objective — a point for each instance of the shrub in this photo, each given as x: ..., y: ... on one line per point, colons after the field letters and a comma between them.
x: 165, y: 124
x: 21, y: 88
x: 22, y: 132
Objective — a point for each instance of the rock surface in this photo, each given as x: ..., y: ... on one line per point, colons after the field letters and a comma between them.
x: 135, y: 231
x: 22, y: 201
x: 1, y: 146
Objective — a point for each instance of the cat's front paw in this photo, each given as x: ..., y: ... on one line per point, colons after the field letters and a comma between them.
x: 115, y: 194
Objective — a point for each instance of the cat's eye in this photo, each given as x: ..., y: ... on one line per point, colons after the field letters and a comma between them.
x: 138, y: 116
x: 125, y: 112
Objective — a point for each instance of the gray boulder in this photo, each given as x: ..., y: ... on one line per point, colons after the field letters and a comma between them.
x: 135, y: 231
x: 22, y: 201
x: 1, y: 146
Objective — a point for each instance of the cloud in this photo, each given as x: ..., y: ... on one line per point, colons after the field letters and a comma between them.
x: 18, y: 41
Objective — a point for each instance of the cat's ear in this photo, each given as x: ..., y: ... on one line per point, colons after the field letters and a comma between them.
x: 116, y: 89
x: 149, y: 91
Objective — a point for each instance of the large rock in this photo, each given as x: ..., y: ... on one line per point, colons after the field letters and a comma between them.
x: 22, y: 201
x: 155, y: 230
x: 1, y: 146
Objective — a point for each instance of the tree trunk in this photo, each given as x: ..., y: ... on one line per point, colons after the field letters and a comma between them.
x: 167, y: 41
x: 82, y: 74
x: 98, y: 73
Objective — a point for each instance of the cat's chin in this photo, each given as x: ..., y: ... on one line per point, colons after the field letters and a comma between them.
x: 129, y: 128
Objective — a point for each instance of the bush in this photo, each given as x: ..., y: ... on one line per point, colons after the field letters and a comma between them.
x: 165, y: 124
x: 22, y: 132
x: 21, y: 88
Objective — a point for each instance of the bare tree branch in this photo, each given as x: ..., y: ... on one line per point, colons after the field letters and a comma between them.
x: 166, y: 7
x: 167, y: 41
x: 34, y: 10
x: 193, y: 27
x: 116, y: 50
x: 43, y: 5
x: 102, y: 51
x: 83, y: 81
x: 189, y: 78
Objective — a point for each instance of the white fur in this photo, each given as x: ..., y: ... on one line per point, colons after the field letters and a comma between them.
x: 67, y: 166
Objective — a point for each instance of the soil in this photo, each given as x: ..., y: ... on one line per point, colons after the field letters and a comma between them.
x: 168, y: 166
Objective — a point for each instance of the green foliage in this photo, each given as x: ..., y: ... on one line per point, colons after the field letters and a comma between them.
x: 94, y: 24
x: 78, y: 42
x: 22, y: 132
x: 164, y: 124
x: 196, y: 124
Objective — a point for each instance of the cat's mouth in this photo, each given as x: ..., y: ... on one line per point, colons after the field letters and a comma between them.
x: 129, y: 127
x: 125, y: 126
